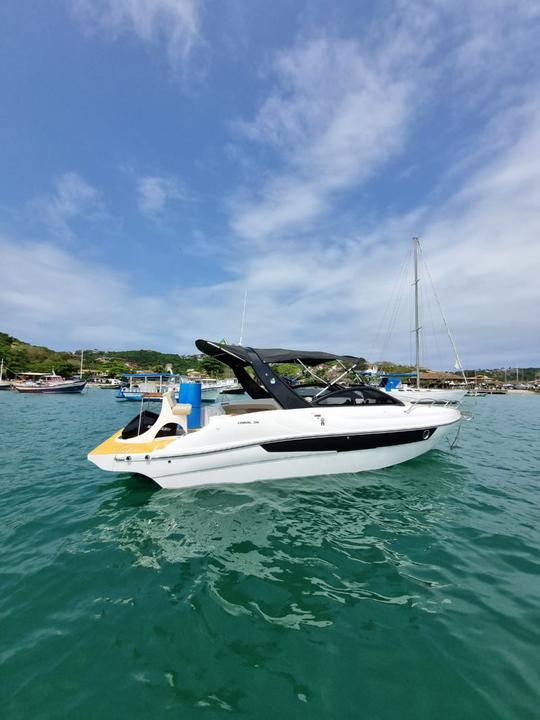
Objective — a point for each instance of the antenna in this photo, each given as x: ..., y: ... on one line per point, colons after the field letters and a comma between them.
x: 243, y: 318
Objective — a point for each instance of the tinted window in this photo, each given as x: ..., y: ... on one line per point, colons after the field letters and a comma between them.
x: 357, y: 396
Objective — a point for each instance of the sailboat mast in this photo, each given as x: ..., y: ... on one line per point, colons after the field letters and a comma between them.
x: 82, y: 355
x: 243, y: 318
x: 416, y: 242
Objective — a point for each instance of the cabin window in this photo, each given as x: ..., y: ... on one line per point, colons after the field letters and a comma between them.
x: 356, y: 396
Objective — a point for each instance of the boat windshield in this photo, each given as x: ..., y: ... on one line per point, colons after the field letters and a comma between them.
x: 263, y: 380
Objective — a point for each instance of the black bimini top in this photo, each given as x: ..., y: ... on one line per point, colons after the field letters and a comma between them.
x: 238, y: 357
x: 238, y: 354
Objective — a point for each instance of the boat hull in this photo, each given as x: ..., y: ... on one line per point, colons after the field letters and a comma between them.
x: 271, y: 448
x: 425, y: 395
x: 76, y: 387
x: 60, y: 388
x: 136, y: 396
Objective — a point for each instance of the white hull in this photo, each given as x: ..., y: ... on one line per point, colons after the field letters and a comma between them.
x: 426, y: 395
x: 250, y: 447
x: 253, y: 464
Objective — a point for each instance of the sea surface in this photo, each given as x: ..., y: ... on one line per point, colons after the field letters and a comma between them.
x: 410, y: 593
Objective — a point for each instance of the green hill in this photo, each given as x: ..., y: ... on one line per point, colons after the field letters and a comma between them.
x: 22, y: 357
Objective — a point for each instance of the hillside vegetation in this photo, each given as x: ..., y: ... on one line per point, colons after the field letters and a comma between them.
x: 22, y: 357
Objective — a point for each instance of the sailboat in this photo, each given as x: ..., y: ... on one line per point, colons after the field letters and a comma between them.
x: 4, y: 384
x: 415, y: 393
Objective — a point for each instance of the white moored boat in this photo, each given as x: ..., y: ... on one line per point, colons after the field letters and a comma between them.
x: 412, y: 394
x: 278, y: 433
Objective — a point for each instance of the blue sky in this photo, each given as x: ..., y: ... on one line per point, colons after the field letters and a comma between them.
x: 161, y: 157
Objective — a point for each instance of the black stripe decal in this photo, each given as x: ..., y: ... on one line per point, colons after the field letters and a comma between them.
x: 346, y: 443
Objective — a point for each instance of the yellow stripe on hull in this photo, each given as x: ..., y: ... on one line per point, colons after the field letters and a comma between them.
x: 114, y: 446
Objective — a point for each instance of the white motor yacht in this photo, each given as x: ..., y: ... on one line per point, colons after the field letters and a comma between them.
x: 280, y: 432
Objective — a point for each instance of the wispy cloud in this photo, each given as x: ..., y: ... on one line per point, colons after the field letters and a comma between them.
x: 173, y: 23
x: 64, y: 302
x: 449, y: 87
x: 481, y: 244
x: 333, y: 119
x: 329, y: 292
x: 154, y: 192
x: 337, y: 110
x: 73, y: 198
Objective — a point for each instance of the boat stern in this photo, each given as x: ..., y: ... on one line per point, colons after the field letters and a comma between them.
x: 117, y: 455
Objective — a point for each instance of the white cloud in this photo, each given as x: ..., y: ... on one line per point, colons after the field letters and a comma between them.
x: 334, y: 118
x: 175, y: 23
x: 483, y: 253
x: 155, y: 192
x: 329, y: 292
x: 337, y: 110
x: 65, y: 302
x: 72, y: 198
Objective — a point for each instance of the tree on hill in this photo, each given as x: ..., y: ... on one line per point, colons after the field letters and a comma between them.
x: 211, y: 366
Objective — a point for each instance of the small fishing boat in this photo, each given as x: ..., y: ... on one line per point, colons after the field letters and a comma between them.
x: 147, y: 386
x: 66, y: 386
x: 51, y: 384
x: 279, y: 432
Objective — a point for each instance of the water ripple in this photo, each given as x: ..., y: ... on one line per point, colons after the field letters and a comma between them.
x: 300, y: 596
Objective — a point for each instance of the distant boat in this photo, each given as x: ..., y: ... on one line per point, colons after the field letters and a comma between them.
x: 146, y: 386
x: 106, y: 384
x: 152, y: 386
x: 413, y: 394
x: 66, y: 386
x: 416, y: 393
x: 49, y: 384
x: 212, y: 387
x: 4, y: 384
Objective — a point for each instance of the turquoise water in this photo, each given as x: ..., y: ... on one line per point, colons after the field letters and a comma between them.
x: 409, y: 593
